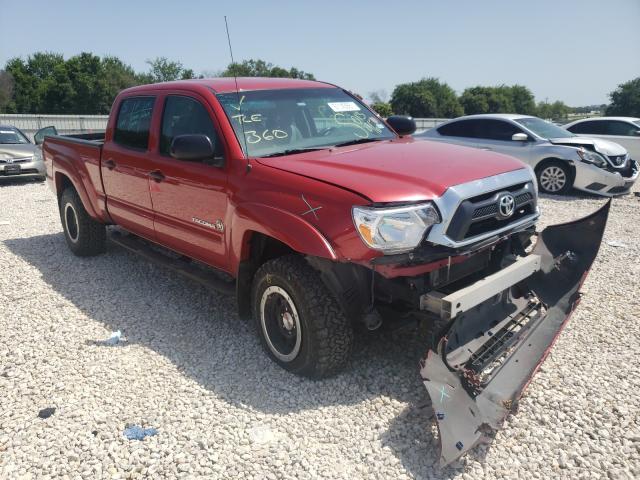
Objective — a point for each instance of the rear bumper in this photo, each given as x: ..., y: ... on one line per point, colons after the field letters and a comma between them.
x: 592, y: 179
x: 491, y: 349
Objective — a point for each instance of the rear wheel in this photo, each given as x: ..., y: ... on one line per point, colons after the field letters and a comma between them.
x: 300, y: 324
x: 554, y: 177
x: 85, y: 237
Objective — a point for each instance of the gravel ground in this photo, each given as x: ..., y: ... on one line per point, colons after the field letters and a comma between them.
x: 190, y: 368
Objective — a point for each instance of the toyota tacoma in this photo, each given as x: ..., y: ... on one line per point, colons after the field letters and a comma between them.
x: 321, y: 216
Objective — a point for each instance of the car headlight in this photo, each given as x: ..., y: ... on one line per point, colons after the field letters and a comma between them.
x: 37, y: 155
x: 394, y: 229
x: 594, y: 158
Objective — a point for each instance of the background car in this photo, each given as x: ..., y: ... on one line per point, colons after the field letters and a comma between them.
x: 18, y: 156
x: 561, y: 160
x: 622, y: 130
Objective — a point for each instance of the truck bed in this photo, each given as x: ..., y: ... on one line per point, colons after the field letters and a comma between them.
x: 78, y: 158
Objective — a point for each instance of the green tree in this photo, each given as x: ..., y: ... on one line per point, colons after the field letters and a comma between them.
x: 523, y: 100
x: 500, y: 99
x: 117, y: 76
x: 260, y: 68
x: 382, y: 108
x: 6, y: 89
x: 165, y: 70
x: 556, y: 110
x: 426, y: 98
x: 625, y: 100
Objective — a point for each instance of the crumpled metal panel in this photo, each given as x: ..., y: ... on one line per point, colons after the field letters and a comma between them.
x: 469, y: 401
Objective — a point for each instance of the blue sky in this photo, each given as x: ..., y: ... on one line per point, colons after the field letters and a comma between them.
x: 573, y: 50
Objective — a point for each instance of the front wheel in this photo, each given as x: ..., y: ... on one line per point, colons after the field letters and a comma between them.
x: 300, y: 324
x: 554, y: 178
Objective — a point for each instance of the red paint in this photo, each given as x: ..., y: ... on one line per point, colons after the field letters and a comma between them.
x: 267, y: 198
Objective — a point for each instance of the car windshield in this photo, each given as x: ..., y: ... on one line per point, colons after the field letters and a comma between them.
x: 10, y: 136
x: 544, y: 129
x: 289, y: 121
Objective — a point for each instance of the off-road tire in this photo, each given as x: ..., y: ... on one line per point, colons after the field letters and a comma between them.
x: 554, y: 165
x: 327, y: 334
x: 89, y: 237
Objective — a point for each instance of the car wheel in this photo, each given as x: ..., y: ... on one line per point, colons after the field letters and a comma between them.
x: 300, y: 324
x: 85, y: 237
x: 555, y: 178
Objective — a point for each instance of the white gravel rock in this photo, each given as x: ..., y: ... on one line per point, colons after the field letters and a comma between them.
x: 194, y: 371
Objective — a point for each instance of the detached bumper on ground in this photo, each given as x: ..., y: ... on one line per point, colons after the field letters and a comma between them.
x: 500, y: 332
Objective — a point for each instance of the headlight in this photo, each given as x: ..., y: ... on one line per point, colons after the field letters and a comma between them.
x: 594, y: 158
x: 37, y: 155
x: 396, y: 229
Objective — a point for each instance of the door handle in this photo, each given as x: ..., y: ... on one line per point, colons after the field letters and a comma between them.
x: 157, y: 176
x: 110, y: 164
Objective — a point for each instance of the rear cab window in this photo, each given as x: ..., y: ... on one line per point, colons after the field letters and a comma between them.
x: 133, y: 122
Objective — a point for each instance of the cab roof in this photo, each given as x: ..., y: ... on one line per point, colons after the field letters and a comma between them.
x: 228, y: 84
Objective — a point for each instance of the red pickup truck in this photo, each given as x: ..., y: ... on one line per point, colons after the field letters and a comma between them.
x: 323, y: 217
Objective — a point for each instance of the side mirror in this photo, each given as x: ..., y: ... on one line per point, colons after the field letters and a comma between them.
x: 519, y: 137
x: 38, y: 137
x: 194, y: 148
x: 402, y: 124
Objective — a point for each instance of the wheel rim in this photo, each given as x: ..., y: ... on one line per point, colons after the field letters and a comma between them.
x: 71, y: 222
x: 553, y: 178
x: 280, y: 323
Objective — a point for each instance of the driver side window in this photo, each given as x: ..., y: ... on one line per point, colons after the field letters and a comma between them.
x: 183, y: 116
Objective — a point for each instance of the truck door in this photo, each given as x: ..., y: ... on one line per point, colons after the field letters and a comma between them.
x: 189, y: 197
x: 125, y: 166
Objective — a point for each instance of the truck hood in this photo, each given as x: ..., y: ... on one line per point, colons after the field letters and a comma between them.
x: 397, y: 170
x: 603, y: 146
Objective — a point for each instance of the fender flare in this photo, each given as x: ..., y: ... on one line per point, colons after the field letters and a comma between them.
x: 285, y: 227
x: 77, y: 184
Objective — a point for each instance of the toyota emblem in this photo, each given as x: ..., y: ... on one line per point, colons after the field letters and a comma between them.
x: 9, y: 160
x: 506, y: 205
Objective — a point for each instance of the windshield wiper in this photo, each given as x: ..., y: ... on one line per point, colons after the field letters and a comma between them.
x: 293, y: 151
x: 357, y: 141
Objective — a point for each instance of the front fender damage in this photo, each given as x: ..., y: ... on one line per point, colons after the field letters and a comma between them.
x: 489, y: 353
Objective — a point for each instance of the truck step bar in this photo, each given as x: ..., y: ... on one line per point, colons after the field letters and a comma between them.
x: 139, y: 246
x: 477, y: 372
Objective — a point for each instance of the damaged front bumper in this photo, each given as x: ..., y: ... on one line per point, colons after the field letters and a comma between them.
x: 501, y: 329
x: 592, y: 179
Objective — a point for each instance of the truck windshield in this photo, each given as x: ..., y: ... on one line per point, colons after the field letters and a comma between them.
x: 289, y: 121
x: 544, y: 129
x: 11, y: 136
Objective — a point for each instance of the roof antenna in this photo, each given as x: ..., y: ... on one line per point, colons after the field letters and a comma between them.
x: 235, y: 79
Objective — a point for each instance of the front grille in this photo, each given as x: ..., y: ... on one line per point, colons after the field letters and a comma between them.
x: 480, y: 214
x: 18, y: 160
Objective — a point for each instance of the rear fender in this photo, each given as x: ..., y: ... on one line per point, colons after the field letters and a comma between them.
x: 487, y: 357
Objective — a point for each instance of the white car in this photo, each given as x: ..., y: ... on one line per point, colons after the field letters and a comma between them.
x: 622, y: 130
x: 560, y: 159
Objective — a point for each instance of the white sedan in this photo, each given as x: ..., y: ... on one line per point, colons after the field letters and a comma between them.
x: 622, y: 130
x: 560, y: 159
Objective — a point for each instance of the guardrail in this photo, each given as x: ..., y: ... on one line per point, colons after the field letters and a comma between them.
x: 65, y: 124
